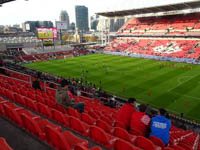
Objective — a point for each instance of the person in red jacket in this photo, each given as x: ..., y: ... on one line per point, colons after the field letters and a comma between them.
x: 125, y: 113
x: 140, y: 122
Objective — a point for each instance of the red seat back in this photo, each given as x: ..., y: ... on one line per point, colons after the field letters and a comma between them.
x: 60, y: 117
x: 87, y: 119
x: 144, y: 143
x: 4, y: 145
x: 56, y: 139
x: 124, y: 145
x: 98, y: 135
x: 73, y: 112
x: 13, y: 115
x: 32, y: 126
x: 78, y: 126
x: 44, y: 110
x: 121, y: 133
x: 157, y: 141
x: 102, y: 124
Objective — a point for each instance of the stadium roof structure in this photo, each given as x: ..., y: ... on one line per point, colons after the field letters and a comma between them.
x: 5, y: 1
x: 155, y: 9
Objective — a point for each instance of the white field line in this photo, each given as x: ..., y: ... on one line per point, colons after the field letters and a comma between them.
x: 179, y: 82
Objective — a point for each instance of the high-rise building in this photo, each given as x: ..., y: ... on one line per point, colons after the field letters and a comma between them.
x: 82, y: 18
x: 64, y: 17
x: 94, y: 20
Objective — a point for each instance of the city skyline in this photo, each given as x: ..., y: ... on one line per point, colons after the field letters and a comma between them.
x: 19, y: 11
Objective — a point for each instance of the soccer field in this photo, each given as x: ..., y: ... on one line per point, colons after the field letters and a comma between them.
x: 174, y: 86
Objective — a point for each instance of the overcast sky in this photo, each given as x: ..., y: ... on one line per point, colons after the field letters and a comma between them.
x: 20, y: 11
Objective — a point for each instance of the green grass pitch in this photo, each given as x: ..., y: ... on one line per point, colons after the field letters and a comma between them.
x: 175, y: 87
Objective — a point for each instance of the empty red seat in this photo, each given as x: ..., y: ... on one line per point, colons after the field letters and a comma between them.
x: 31, y: 95
x: 40, y: 99
x: 103, y: 125
x: 51, y: 104
x: 63, y: 141
x: 107, y: 120
x: 81, y: 147
x: 176, y: 147
x: 60, y: 117
x: 73, y: 112
x: 31, y: 104
x: 157, y: 141
x: 44, y: 110
x: 36, y: 127
x: 13, y: 115
x: 123, y: 134
x: 60, y: 108
x: 93, y: 114
x: 2, y: 111
x: 87, y: 119
x: 20, y: 99
x: 4, y: 145
x: 145, y: 144
x: 79, y: 126
x: 100, y: 136
x: 10, y: 95
x: 124, y: 145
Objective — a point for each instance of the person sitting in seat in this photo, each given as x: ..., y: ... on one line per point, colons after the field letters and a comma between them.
x: 140, y: 121
x: 126, y: 111
x: 160, y: 126
x: 63, y: 98
x: 36, y: 84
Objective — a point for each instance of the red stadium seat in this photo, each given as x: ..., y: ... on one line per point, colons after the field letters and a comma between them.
x: 40, y: 99
x: 123, y: 134
x: 124, y: 145
x: 63, y: 141
x: 81, y: 147
x: 20, y: 99
x: 103, y: 125
x: 73, y: 112
x: 107, y: 120
x: 79, y: 126
x: 157, y: 141
x: 31, y: 104
x: 44, y: 110
x: 176, y: 147
x: 145, y: 144
x: 100, y: 136
x: 60, y: 108
x: 87, y: 119
x: 4, y: 145
x: 60, y: 117
x: 93, y: 114
x: 36, y: 127
x: 13, y: 115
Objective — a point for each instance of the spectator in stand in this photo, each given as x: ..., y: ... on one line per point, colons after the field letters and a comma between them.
x: 160, y: 126
x: 63, y: 98
x: 125, y: 113
x: 36, y: 84
x: 140, y: 122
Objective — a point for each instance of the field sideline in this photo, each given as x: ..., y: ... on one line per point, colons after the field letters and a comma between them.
x: 174, y: 86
